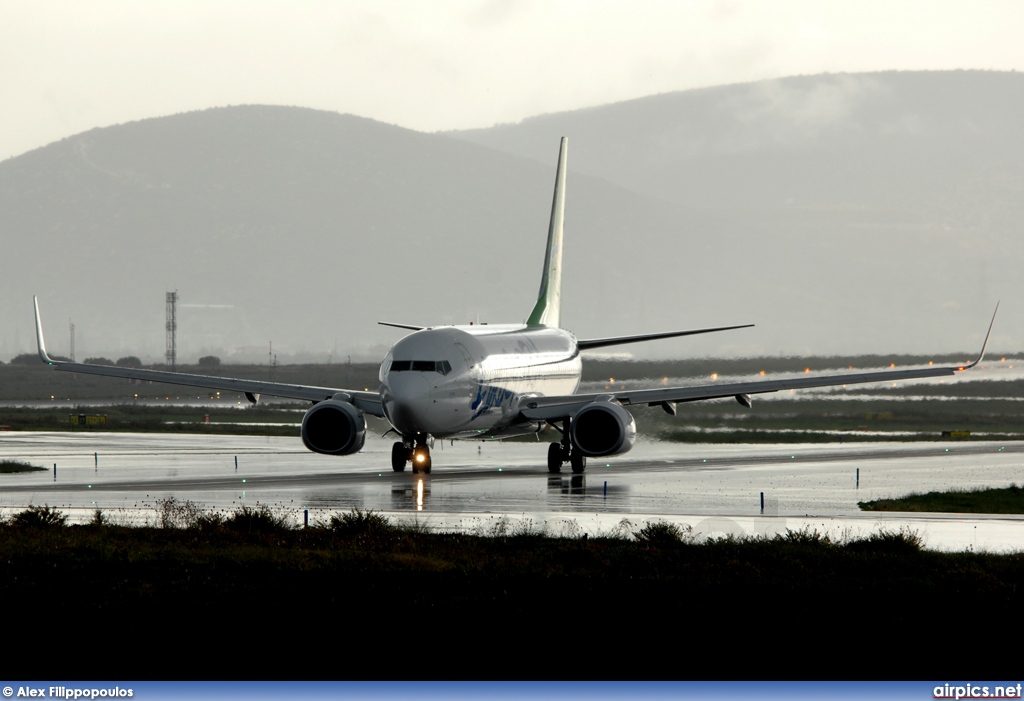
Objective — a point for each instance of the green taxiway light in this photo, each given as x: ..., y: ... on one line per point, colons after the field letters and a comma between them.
x: 243, y: 481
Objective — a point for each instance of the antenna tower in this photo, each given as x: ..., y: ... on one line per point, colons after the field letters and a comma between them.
x: 172, y: 330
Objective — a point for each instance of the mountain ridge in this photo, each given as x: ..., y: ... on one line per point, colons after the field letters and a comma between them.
x: 302, y: 228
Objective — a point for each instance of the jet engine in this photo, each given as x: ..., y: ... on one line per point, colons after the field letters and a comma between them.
x: 334, y: 427
x: 602, y: 428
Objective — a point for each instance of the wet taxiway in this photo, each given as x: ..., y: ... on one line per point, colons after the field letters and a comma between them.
x: 502, y: 487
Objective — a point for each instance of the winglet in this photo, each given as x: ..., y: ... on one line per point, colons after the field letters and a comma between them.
x: 985, y: 344
x: 548, y: 309
x: 39, y: 335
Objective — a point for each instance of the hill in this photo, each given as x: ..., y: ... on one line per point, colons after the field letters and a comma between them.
x: 841, y: 214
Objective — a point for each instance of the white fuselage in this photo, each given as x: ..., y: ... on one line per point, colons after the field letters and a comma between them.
x: 468, y: 381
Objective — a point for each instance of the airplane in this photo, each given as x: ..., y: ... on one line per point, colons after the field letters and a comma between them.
x: 482, y: 382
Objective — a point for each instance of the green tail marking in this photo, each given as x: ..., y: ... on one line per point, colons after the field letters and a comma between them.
x: 549, y: 302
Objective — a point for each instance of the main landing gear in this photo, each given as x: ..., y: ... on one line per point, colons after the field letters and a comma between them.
x: 565, y: 452
x: 402, y: 453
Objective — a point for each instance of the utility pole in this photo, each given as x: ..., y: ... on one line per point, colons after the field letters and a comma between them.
x: 72, y: 328
x: 172, y: 330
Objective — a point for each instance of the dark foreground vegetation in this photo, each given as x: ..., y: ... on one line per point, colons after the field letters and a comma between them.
x: 244, y: 595
x: 13, y: 466
x: 1008, y: 500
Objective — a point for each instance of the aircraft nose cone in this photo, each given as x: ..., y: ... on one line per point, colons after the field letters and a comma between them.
x: 407, y: 396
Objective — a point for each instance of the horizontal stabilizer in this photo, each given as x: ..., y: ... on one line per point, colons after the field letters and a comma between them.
x: 402, y: 326
x: 619, y: 340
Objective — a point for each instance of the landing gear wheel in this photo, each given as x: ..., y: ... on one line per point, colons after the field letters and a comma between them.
x: 555, y: 458
x: 578, y: 462
x: 399, y: 457
x: 421, y: 459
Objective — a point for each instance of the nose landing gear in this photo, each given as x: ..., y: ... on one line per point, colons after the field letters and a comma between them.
x: 402, y: 453
x: 421, y: 459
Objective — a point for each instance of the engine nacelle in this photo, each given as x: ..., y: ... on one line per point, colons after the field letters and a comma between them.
x: 334, y: 427
x: 602, y: 428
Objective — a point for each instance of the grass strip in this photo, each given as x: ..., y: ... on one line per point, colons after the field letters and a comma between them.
x: 1008, y: 500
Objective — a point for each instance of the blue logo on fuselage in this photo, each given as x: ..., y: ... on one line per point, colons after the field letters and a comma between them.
x: 490, y: 397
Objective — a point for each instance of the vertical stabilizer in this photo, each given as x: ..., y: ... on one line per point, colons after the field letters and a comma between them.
x: 549, y: 301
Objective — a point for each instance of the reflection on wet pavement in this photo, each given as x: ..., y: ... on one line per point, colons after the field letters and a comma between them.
x: 715, y: 489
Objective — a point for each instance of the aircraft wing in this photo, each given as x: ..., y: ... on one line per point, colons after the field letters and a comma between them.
x: 559, y: 407
x: 368, y: 402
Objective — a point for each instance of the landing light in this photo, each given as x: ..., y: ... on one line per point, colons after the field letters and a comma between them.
x: 419, y: 457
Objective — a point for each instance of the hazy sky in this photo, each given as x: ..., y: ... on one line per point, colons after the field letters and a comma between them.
x: 70, y: 65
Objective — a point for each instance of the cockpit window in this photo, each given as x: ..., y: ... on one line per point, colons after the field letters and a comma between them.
x: 441, y: 366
